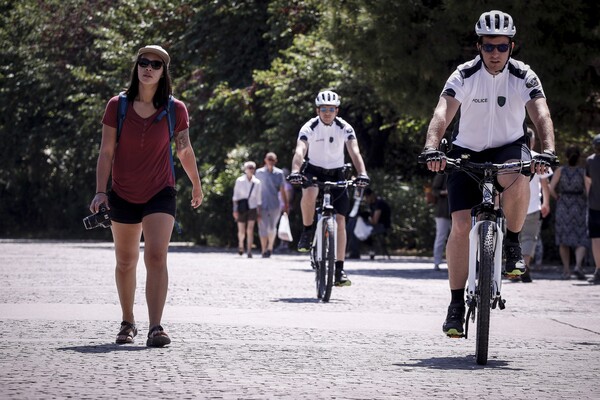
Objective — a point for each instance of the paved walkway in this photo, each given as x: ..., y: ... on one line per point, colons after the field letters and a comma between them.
x: 252, y: 329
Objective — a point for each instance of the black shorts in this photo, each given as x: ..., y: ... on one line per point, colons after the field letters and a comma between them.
x: 463, y: 191
x: 594, y: 223
x: 131, y: 213
x: 249, y: 215
x: 339, y: 196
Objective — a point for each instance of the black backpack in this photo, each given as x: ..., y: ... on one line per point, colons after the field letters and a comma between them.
x: 169, y: 112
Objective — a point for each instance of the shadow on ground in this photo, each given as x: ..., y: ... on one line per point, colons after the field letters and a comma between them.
x: 103, y: 348
x: 466, y: 363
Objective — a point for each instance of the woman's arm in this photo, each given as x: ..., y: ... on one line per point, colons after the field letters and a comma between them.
x: 554, y: 182
x: 185, y: 153
x: 104, y: 166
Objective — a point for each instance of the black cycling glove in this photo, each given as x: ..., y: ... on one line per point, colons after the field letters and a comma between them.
x: 362, y: 181
x: 547, y: 158
x: 295, y: 178
x: 431, y: 154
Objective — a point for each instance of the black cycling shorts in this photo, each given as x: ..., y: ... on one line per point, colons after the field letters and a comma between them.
x: 339, y: 196
x: 131, y: 213
x: 463, y: 191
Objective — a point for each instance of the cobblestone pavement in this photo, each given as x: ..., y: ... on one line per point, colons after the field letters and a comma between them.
x: 252, y: 329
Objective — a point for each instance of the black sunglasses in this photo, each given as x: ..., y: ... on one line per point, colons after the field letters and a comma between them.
x: 155, y: 64
x: 502, y: 48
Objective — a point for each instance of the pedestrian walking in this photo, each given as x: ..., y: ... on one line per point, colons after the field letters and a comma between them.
x: 443, y: 222
x: 570, y: 228
x: 246, y: 206
x: 592, y: 180
x: 141, y: 197
x: 539, y: 208
x: 272, y: 184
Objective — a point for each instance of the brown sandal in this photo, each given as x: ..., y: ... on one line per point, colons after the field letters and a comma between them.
x: 127, y: 333
x: 157, y: 337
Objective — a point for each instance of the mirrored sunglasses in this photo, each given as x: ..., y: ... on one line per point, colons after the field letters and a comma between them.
x: 327, y: 109
x: 502, y: 48
x: 155, y: 64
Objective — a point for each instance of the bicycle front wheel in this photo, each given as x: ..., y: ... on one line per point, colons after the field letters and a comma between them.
x: 484, y: 290
x: 328, y: 256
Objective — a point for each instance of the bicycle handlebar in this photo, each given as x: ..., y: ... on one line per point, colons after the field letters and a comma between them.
x: 457, y: 164
x: 342, y: 183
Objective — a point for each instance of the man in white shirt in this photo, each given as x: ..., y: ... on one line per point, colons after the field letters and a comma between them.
x: 539, y: 207
x: 322, y: 141
x: 492, y: 91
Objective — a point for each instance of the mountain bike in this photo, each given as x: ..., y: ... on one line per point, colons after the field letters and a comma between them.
x: 324, y: 244
x: 488, y: 226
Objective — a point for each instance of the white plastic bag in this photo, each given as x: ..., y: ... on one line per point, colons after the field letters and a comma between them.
x: 284, y: 232
x: 362, y: 230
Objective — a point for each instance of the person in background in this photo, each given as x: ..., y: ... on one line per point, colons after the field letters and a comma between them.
x: 246, y: 191
x: 443, y: 222
x: 272, y: 184
x: 285, y: 207
x: 570, y: 228
x: 380, y: 216
x: 322, y: 141
x: 592, y: 183
x: 539, y: 207
x: 141, y: 199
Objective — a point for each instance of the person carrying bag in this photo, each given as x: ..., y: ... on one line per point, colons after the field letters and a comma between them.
x: 243, y: 204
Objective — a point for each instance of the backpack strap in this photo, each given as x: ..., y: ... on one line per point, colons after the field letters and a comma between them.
x: 121, y: 111
x: 169, y: 111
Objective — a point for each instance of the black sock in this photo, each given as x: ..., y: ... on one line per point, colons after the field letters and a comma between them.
x: 339, y: 265
x: 512, y: 236
x: 307, y: 228
x: 458, y: 296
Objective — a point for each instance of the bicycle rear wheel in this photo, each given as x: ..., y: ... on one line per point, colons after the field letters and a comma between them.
x: 484, y: 290
x: 328, y: 256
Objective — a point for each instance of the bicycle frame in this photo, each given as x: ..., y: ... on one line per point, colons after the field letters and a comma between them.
x: 486, y: 210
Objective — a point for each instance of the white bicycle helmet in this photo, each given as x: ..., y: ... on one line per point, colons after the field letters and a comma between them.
x: 327, y: 98
x: 495, y: 23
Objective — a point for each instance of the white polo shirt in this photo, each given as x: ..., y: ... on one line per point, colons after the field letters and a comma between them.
x: 492, y: 111
x: 326, y: 142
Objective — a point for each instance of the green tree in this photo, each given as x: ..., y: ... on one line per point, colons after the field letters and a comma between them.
x: 408, y: 49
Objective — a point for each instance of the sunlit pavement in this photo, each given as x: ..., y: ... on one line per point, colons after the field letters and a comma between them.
x: 252, y: 329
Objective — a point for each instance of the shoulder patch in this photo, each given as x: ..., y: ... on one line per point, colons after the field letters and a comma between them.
x: 314, y: 124
x: 339, y: 123
x: 532, y: 82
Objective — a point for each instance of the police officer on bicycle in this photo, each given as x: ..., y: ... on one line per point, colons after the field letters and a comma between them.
x: 493, y: 92
x: 321, y: 141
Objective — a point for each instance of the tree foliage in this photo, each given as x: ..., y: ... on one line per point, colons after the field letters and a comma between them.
x: 248, y: 72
